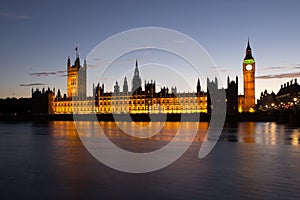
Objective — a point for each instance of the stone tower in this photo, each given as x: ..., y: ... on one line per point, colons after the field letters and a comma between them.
x: 249, y: 80
x: 76, y: 81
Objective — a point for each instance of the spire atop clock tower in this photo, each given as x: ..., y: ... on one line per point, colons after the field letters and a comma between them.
x: 248, y: 45
x: 248, y: 51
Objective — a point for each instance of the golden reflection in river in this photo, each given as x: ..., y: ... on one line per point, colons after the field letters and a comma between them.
x: 111, y: 130
x: 63, y: 128
x: 247, y: 130
x: 295, y: 136
x: 267, y: 133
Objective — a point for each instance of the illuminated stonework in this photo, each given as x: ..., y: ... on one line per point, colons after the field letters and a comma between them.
x: 247, y: 101
x: 108, y: 103
x: 142, y: 100
x: 76, y: 81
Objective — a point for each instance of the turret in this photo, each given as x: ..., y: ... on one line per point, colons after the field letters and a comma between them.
x: 69, y: 62
x: 116, y: 88
x: 84, y: 63
x: 125, y: 85
x: 58, y: 93
x: 228, y: 81
x: 198, y: 86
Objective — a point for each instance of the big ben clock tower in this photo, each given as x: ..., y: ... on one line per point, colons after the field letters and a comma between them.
x: 249, y: 80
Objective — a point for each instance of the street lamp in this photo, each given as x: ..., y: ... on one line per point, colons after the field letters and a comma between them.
x: 295, y: 99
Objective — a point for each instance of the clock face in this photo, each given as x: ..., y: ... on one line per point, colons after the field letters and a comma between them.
x: 249, y: 67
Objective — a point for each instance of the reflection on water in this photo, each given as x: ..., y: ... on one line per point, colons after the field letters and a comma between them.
x: 260, y: 133
x: 250, y: 161
x: 246, y: 132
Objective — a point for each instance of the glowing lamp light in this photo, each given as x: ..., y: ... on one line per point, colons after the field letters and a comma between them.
x: 295, y: 99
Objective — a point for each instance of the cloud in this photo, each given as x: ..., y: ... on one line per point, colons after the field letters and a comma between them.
x: 31, y: 84
x: 293, y: 66
x: 275, y: 67
x: 39, y: 74
x: 297, y: 66
x: 282, y: 75
x: 14, y: 16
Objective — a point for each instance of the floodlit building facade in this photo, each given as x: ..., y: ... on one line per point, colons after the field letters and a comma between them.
x: 141, y: 100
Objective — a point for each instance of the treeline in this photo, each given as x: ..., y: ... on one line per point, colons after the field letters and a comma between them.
x: 14, y: 106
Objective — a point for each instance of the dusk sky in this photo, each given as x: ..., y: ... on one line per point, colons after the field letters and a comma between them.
x: 38, y: 36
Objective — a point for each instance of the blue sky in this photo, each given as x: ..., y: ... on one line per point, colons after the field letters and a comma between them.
x: 38, y: 36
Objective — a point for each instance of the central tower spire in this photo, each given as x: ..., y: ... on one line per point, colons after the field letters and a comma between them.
x: 136, y: 70
x: 136, y: 81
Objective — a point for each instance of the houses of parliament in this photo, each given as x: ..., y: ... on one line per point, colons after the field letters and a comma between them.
x: 141, y: 100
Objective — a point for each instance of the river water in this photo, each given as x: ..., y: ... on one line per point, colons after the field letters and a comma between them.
x: 250, y: 161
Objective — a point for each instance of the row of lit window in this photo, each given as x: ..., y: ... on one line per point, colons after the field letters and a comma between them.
x: 66, y: 110
x: 84, y: 103
x: 154, y: 102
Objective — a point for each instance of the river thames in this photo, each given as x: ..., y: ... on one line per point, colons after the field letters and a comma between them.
x: 251, y: 160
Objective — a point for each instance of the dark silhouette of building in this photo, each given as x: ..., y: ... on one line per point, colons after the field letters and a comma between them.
x: 42, y: 101
x: 288, y: 95
x: 232, y: 96
x: 266, y: 101
x: 198, y: 86
x: 216, y: 97
x: 212, y: 89
x: 14, y: 106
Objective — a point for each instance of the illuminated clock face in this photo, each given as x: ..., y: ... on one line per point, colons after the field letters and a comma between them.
x: 249, y: 67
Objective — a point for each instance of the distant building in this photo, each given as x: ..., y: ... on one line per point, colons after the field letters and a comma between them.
x: 288, y: 95
x: 266, y: 100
